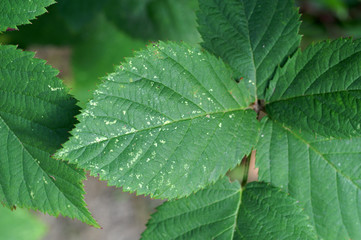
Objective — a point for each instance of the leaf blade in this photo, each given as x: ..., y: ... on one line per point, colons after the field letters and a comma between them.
x: 251, y: 40
x: 319, y: 90
x: 17, y: 13
x: 225, y: 211
x: 168, y: 108
x: 35, y: 115
x: 204, y: 215
x: 280, y: 216
x: 321, y: 174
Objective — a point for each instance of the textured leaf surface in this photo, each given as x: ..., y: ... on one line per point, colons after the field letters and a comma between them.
x: 35, y: 117
x: 320, y: 89
x: 17, y: 12
x: 252, y: 36
x: 268, y: 213
x: 19, y: 225
x: 217, y: 213
x: 156, y: 19
x: 323, y: 174
x: 166, y: 123
x: 209, y: 214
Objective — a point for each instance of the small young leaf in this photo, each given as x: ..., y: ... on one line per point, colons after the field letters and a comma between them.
x: 324, y: 174
x: 14, y: 13
x: 252, y: 36
x: 223, y: 211
x: 36, y: 114
x: 167, y: 123
x: 320, y: 90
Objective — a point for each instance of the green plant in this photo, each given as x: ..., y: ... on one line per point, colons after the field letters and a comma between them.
x: 171, y: 122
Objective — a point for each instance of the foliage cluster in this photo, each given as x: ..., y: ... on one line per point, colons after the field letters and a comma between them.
x: 171, y: 121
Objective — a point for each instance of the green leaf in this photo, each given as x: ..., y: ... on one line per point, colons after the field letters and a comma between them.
x: 216, y: 212
x: 252, y: 36
x: 322, y: 173
x: 167, y: 123
x: 156, y: 19
x: 48, y: 29
x: 268, y: 213
x: 35, y: 116
x: 208, y: 214
x: 20, y: 224
x: 320, y: 89
x: 14, y: 13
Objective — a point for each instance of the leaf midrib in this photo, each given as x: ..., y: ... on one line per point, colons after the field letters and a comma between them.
x: 320, y: 154
x: 252, y: 54
x: 158, y: 126
x: 39, y: 167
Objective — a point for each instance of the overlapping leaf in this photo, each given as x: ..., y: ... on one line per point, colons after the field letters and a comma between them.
x: 323, y: 174
x: 220, y: 212
x: 252, y: 36
x: 167, y: 123
x: 320, y: 89
x: 35, y: 116
x: 17, y: 12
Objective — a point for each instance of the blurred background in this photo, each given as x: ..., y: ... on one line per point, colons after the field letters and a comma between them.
x: 85, y: 40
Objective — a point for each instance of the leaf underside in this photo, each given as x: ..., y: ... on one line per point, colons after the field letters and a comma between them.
x: 18, y: 12
x: 253, y: 37
x: 319, y: 90
x: 35, y: 116
x: 172, y: 110
x: 322, y: 173
x: 216, y: 212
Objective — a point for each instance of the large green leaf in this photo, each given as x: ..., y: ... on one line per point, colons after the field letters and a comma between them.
x: 252, y: 36
x: 323, y: 174
x: 320, y: 89
x: 35, y: 116
x: 167, y: 123
x: 156, y: 19
x: 14, y: 13
x: 20, y: 225
x: 216, y: 212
